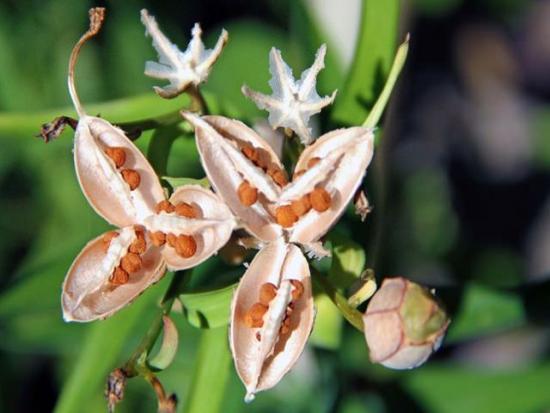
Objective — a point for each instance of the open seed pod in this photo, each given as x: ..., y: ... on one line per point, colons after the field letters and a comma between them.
x: 247, y: 174
x: 272, y: 316
x: 115, y: 177
x: 106, y: 275
x: 208, y: 221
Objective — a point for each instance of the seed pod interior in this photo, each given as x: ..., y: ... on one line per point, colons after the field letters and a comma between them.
x: 263, y: 355
x: 102, y: 182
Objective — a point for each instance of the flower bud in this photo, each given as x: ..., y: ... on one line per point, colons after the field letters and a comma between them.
x: 404, y: 324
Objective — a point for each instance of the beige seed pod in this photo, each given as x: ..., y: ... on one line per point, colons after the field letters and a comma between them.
x: 262, y: 362
x: 404, y: 324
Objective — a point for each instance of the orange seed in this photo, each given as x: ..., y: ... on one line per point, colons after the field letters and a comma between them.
x: 171, y: 240
x: 130, y: 263
x: 301, y: 206
x: 131, y: 177
x: 250, y: 152
x: 254, y: 316
x: 278, y: 176
x: 285, y: 216
x: 298, y: 289
x: 119, y: 276
x: 139, y: 245
x: 165, y: 206
x: 158, y: 238
x: 117, y: 155
x: 186, y: 246
x: 312, y: 162
x: 185, y: 210
x: 320, y: 199
x: 268, y: 291
x: 248, y: 195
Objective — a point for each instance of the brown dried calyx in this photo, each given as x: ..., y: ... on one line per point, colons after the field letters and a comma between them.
x: 248, y: 195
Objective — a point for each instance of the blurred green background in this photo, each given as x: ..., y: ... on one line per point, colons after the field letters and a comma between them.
x: 460, y: 187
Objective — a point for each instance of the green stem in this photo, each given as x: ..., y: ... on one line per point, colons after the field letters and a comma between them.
x: 354, y: 317
x: 198, y: 103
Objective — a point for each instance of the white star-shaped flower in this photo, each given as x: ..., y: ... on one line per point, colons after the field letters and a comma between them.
x: 292, y: 102
x: 180, y: 68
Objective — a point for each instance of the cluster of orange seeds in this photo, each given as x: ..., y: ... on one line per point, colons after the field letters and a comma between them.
x: 254, y: 317
x: 118, y: 156
x: 131, y: 262
x: 248, y: 195
x: 185, y: 245
x: 318, y: 199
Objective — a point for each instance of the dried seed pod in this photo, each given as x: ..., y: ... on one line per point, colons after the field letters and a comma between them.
x: 261, y: 363
x: 158, y: 238
x: 183, y: 209
x: 254, y: 316
x: 87, y: 290
x: 164, y: 206
x: 298, y: 173
x: 119, y: 277
x: 185, y: 245
x: 404, y: 324
x: 131, y: 177
x: 248, y: 195
x: 301, y: 206
x: 268, y: 291
x: 130, y: 263
x: 312, y: 162
x: 217, y: 140
x: 117, y: 155
x: 320, y: 199
x: 285, y: 216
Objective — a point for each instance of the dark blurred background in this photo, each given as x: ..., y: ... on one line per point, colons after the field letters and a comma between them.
x: 460, y: 188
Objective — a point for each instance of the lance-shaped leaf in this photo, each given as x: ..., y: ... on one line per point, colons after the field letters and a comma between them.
x: 271, y: 317
x: 90, y: 292
x: 221, y: 142
x: 181, y: 69
x: 210, y: 227
x: 115, y: 177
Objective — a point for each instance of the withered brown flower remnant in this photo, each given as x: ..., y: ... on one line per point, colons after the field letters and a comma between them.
x: 122, y: 187
x: 404, y: 324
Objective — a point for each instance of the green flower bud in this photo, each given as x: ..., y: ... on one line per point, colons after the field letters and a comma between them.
x: 404, y: 324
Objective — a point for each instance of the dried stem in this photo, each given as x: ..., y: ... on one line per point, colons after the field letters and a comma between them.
x: 97, y: 15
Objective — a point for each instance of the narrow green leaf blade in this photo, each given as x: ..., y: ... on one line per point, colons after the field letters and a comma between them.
x: 208, y: 309
x: 177, y: 182
x: 210, y: 374
x: 373, y: 56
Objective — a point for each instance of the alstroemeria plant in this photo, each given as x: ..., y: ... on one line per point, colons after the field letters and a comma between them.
x: 272, y: 310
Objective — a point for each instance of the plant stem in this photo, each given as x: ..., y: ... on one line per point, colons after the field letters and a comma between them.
x: 198, y: 103
x: 354, y: 317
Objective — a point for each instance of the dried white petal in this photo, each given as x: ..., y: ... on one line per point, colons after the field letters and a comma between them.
x: 180, y: 68
x: 292, y: 102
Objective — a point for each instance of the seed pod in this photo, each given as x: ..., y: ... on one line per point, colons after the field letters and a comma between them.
x: 248, y: 195
x: 87, y: 290
x: 107, y: 238
x: 117, y: 155
x: 312, y: 162
x: 262, y: 362
x: 404, y: 324
x: 103, y: 185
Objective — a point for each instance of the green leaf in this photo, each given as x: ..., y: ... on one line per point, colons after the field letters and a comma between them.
x: 208, y: 309
x: 159, y: 147
x: 348, y: 260
x: 103, y: 345
x: 382, y: 101
x: 485, y: 311
x: 457, y: 389
x: 177, y: 182
x: 373, y: 56
x: 327, y: 331
x: 210, y: 374
x: 168, y: 347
